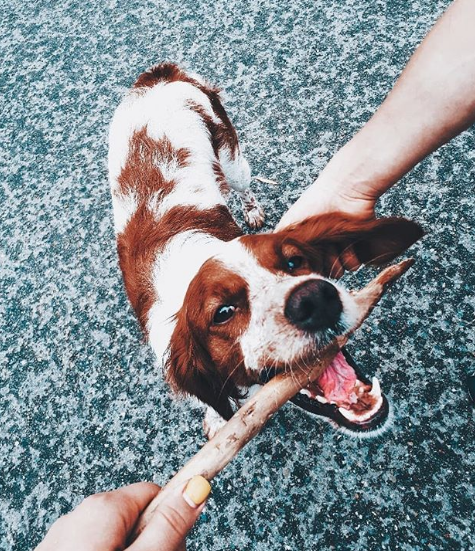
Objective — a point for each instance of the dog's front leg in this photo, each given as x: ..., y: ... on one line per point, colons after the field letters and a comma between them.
x: 253, y: 213
x: 238, y: 176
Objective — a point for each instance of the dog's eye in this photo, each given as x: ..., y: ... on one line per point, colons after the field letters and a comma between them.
x: 224, y: 313
x: 294, y: 263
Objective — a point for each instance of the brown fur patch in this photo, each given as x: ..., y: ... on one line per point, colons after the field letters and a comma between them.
x: 221, y: 179
x: 266, y: 250
x: 165, y: 72
x: 144, y: 237
x: 219, y: 133
x: 141, y: 173
x: 323, y: 240
x: 206, y: 359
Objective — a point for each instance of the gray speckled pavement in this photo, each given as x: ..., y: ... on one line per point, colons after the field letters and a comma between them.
x: 82, y: 407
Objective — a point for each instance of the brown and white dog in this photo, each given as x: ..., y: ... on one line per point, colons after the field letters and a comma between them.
x: 219, y: 307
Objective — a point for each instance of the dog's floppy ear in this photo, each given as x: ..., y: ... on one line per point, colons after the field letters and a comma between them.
x: 191, y: 370
x: 372, y: 242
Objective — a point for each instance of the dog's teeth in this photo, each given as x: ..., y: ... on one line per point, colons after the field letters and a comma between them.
x: 362, y: 417
x: 376, y: 390
x: 348, y: 414
x: 317, y: 397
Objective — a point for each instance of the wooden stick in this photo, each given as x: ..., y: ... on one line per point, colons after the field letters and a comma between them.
x: 254, y: 414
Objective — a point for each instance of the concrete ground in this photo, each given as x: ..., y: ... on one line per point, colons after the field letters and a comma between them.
x: 82, y: 406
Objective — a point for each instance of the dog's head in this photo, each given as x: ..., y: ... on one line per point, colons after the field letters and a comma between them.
x: 271, y: 301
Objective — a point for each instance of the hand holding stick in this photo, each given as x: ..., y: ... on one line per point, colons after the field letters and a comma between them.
x: 254, y: 414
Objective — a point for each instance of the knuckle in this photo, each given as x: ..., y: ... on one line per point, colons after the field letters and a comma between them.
x: 102, y: 502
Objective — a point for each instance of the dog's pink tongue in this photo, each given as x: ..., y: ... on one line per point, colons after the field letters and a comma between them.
x: 338, y: 380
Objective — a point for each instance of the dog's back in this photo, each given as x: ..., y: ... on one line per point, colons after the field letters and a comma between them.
x: 165, y: 140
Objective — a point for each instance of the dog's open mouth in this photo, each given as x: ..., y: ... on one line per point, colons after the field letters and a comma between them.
x: 344, y: 396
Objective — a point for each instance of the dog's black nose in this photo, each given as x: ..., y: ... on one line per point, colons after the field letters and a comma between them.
x: 314, y: 305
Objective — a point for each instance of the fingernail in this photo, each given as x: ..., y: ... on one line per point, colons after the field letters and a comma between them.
x: 196, y: 491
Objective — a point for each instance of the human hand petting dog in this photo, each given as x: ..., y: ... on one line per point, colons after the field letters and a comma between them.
x: 106, y: 521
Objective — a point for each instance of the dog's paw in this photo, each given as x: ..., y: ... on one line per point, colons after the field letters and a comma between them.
x: 212, y: 423
x: 254, y: 216
x: 253, y: 213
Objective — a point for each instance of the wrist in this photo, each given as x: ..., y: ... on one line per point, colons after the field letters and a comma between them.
x: 358, y: 173
x: 354, y: 179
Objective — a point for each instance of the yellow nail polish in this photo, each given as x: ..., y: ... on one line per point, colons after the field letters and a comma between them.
x: 196, y: 491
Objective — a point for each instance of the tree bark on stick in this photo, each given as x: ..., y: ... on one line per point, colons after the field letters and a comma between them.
x: 254, y: 414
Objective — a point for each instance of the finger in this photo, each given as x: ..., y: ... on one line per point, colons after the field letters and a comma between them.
x: 349, y: 259
x: 101, y: 521
x: 174, y: 517
x: 134, y: 498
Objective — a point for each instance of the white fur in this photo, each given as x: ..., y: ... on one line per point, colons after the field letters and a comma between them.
x: 237, y: 171
x: 124, y: 207
x: 173, y: 271
x: 190, y: 192
x: 164, y: 110
x: 212, y: 422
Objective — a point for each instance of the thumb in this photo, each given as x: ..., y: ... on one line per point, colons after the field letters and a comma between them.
x: 174, y: 517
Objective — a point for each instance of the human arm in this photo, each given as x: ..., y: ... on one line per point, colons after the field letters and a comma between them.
x: 106, y: 521
x: 432, y: 101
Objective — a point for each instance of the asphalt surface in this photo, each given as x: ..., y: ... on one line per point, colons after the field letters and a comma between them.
x: 82, y: 406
